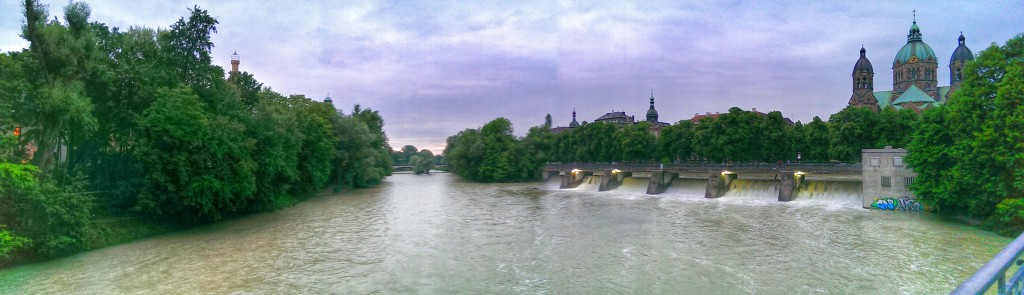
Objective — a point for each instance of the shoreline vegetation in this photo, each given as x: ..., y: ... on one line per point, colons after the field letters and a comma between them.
x: 115, y: 135
x: 969, y: 153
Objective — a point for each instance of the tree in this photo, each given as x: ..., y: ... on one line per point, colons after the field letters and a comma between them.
x: 422, y: 162
x: 407, y: 152
x: 817, y: 141
x: 675, y: 143
x: 968, y: 154
x: 851, y: 130
x: 198, y: 164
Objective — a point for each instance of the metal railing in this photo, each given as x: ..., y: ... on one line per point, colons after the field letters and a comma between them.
x: 994, y: 272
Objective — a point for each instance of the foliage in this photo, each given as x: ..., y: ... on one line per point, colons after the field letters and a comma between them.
x: 969, y: 155
x: 145, y: 123
x: 851, y: 130
x: 10, y: 242
x: 493, y: 154
x: 422, y: 162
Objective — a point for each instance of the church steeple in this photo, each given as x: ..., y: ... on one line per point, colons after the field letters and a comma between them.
x: 961, y: 55
x: 915, y: 32
x: 863, y: 83
x: 574, y: 124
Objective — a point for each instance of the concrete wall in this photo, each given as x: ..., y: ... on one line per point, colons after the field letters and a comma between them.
x: 879, y: 164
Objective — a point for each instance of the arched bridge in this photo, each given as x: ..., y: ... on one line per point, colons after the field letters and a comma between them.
x: 718, y: 176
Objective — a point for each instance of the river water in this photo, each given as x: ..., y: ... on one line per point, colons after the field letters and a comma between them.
x: 439, y: 234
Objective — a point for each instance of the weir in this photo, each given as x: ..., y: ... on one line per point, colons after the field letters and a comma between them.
x: 718, y: 184
x: 573, y: 178
x: 787, y: 180
x: 660, y: 181
x: 612, y: 179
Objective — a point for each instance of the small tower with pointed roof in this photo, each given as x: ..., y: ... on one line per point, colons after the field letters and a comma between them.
x: 961, y: 55
x: 574, y: 124
x: 328, y: 99
x: 234, y: 62
x: 863, y: 83
x: 652, y: 114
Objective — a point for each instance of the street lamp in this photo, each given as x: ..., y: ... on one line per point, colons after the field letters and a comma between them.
x: 798, y: 157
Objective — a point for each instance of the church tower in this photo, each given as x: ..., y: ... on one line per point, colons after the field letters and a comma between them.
x: 961, y: 55
x: 652, y: 114
x: 864, y: 83
x: 574, y: 124
x: 915, y: 66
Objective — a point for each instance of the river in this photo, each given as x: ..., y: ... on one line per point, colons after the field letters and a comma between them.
x: 439, y: 234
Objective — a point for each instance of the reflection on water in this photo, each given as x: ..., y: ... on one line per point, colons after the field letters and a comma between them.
x: 438, y: 234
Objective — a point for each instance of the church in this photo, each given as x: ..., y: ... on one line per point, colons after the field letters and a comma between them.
x: 915, y: 83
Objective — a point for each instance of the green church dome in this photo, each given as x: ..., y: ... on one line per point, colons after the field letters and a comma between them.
x: 914, y: 47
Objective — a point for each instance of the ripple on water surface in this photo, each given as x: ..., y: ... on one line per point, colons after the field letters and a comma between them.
x: 438, y: 234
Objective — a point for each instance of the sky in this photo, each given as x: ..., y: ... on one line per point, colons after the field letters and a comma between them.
x: 434, y: 68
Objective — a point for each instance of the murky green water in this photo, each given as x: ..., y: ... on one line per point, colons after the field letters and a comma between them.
x: 440, y: 235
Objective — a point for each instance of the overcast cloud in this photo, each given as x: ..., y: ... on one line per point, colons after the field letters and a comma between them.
x: 435, y: 68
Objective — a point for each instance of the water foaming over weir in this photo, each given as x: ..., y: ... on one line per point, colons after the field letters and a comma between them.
x: 822, y: 193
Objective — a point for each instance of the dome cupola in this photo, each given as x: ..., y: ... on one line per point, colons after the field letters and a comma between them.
x: 915, y: 49
x: 652, y: 114
x: 961, y: 53
x: 863, y: 64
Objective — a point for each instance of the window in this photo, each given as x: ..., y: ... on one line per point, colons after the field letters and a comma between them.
x: 908, y: 181
x: 897, y: 161
x: 875, y: 162
x: 886, y: 181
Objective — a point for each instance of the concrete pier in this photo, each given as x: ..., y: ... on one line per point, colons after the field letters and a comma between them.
x: 789, y: 185
x: 612, y: 179
x: 573, y: 178
x: 718, y: 184
x: 660, y: 181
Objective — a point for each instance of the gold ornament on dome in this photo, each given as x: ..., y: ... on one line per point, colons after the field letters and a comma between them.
x: 913, y: 59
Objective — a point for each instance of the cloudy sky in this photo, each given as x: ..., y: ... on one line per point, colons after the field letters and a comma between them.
x: 434, y: 68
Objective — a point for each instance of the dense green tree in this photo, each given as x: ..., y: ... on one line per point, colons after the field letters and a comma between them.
x: 895, y: 128
x: 638, y: 142
x: 422, y: 162
x: 775, y: 139
x: 676, y: 142
x: 851, y: 130
x: 968, y: 154
x: 817, y: 142
x: 143, y: 121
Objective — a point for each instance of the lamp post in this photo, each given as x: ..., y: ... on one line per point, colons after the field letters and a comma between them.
x: 798, y: 157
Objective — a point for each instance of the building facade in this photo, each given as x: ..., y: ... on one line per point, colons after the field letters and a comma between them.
x: 914, y: 76
x: 886, y: 180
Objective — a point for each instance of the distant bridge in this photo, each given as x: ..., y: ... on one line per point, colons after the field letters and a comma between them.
x: 718, y: 176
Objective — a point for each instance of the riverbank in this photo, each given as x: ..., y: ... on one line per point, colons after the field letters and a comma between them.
x: 111, y: 230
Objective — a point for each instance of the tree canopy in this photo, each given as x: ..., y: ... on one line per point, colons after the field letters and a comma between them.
x: 140, y: 123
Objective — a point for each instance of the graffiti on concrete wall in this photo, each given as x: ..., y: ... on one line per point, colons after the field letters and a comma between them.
x: 903, y: 204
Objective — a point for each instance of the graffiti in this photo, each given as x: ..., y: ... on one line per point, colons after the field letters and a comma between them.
x: 903, y: 204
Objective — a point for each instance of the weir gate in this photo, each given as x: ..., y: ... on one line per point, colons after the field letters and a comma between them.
x: 718, y: 176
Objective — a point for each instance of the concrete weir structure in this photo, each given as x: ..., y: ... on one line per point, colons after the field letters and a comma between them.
x: 719, y: 176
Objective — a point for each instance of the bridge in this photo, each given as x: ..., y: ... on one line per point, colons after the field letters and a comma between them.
x: 718, y: 176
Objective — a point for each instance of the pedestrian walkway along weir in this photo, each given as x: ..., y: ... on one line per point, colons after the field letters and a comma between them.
x: 789, y: 181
